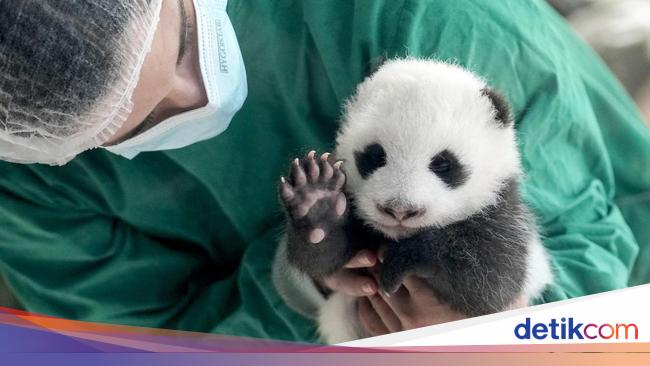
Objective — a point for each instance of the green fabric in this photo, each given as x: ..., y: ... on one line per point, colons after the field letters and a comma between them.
x: 185, y: 239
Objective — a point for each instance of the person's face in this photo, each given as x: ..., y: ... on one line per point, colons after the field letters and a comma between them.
x: 170, y: 81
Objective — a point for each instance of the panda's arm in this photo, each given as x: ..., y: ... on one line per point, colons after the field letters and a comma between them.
x: 296, y: 288
x: 469, y: 267
x: 317, y: 216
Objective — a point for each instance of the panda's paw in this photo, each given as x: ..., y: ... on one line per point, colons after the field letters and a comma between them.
x: 313, y: 195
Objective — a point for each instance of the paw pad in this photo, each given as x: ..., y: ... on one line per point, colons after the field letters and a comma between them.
x: 312, y: 194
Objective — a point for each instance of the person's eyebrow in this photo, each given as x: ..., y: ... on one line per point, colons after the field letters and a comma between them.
x: 184, y: 32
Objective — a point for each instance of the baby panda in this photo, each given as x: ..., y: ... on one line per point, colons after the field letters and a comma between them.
x: 426, y: 164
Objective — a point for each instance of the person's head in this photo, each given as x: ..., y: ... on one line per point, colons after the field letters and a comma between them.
x: 78, y: 74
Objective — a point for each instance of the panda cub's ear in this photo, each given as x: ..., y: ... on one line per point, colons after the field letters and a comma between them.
x: 501, y: 106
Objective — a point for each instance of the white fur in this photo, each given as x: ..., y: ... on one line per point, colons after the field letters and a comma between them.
x: 416, y: 109
x: 538, y: 274
x: 338, y: 321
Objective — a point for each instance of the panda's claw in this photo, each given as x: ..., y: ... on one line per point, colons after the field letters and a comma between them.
x: 389, y: 281
x: 286, y: 192
x: 326, y: 170
x: 313, y: 170
x: 298, y: 176
x: 338, y: 178
x: 313, y: 196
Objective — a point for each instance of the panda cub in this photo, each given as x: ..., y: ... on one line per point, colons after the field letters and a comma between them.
x: 426, y: 165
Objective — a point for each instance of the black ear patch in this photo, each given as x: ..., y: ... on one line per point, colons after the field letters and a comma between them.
x: 501, y: 106
x: 449, y: 169
x: 370, y: 159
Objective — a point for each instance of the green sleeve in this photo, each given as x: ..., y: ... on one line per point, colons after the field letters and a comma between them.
x: 62, y: 260
x: 75, y: 263
x: 523, y: 49
x: 185, y: 239
x: 627, y: 139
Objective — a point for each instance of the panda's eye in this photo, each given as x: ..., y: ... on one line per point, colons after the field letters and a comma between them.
x: 440, y: 164
x: 370, y: 159
x: 448, y: 168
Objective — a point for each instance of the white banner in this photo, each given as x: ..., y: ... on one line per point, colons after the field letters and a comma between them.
x: 616, y: 316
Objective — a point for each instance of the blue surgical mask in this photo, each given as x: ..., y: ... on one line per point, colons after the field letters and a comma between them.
x: 224, y: 78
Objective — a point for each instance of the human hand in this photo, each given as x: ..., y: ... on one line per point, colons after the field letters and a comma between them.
x: 350, y: 281
x: 414, y: 305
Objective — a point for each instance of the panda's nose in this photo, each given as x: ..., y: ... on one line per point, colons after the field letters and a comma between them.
x: 401, y: 212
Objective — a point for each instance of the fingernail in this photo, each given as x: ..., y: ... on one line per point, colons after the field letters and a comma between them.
x: 282, y: 180
x: 385, y: 294
x: 367, y: 289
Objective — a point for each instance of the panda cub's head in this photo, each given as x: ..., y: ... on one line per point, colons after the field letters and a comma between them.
x: 425, y: 144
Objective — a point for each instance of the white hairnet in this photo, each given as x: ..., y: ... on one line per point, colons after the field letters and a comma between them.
x: 68, y: 69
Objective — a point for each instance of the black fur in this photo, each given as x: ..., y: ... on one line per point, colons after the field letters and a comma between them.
x: 372, y: 158
x: 345, y: 234
x: 345, y: 237
x: 502, y: 115
x: 477, y: 265
x: 449, y: 169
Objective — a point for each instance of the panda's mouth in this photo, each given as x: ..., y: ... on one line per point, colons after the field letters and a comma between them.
x: 391, y: 223
x: 395, y: 230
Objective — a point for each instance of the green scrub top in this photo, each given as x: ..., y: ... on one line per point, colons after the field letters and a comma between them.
x: 185, y: 239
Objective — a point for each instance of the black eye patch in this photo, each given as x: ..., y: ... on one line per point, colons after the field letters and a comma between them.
x: 448, y: 168
x: 370, y: 159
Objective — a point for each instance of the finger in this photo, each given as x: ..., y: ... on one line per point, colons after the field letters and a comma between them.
x: 400, y: 302
x: 417, y: 287
x: 351, y: 283
x: 375, y: 271
x: 521, y: 302
x: 387, y: 315
x: 369, y: 318
x: 363, y: 259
